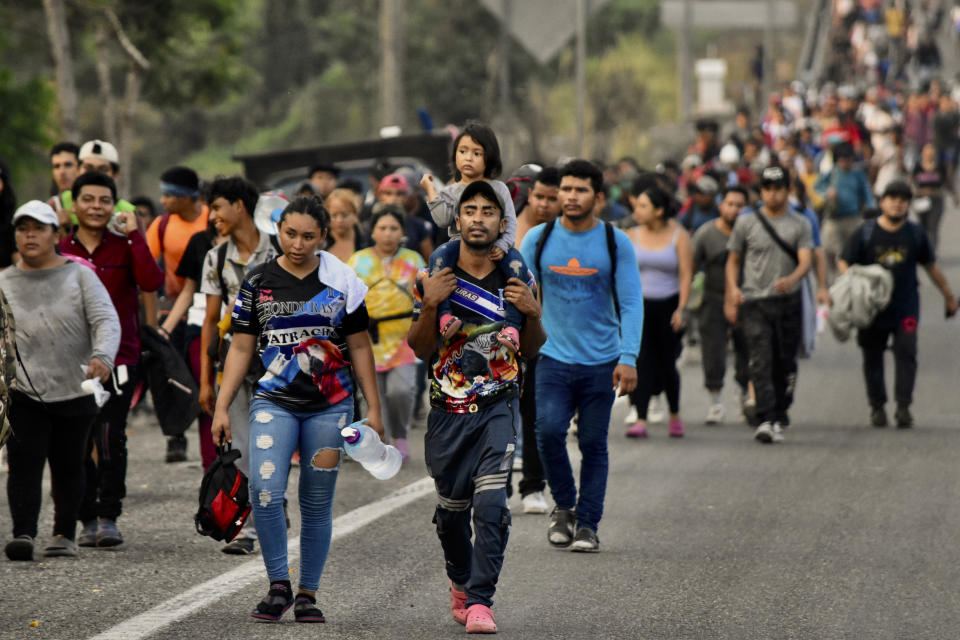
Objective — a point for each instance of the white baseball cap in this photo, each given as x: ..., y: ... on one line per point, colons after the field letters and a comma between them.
x: 39, y: 211
x: 99, y: 149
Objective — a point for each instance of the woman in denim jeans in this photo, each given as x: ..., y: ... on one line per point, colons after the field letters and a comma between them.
x: 304, y: 315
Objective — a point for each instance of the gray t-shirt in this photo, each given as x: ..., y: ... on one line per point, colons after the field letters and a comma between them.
x: 763, y: 260
x: 64, y: 317
x: 710, y: 256
x: 235, y: 270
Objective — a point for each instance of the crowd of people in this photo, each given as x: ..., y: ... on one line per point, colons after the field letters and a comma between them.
x: 515, y: 310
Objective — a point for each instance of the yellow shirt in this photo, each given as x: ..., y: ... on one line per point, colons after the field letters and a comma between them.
x: 390, y: 283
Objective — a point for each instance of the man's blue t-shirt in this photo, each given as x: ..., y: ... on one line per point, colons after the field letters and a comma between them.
x: 579, y: 316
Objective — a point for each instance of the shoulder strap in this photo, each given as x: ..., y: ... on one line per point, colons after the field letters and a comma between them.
x: 866, y: 230
x: 541, y: 241
x: 612, y: 252
x: 790, y: 251
x: 162, y: 229
x: 221, y: 263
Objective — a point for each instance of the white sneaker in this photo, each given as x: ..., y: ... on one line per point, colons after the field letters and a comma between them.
x: 777, y: 432
x: 764, y: 433
x: 655, y: 410
x: 632, y: 417
x: 534, y: 503
x: 716, y: 413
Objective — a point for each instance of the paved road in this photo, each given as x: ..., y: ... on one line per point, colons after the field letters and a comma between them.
x: 843, y: 531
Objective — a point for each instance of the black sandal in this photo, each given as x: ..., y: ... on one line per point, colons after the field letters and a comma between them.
x: 278, y: 600
x: 305, y: 609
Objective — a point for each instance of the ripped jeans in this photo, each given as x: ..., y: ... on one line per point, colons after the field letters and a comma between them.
x: 275, y: 433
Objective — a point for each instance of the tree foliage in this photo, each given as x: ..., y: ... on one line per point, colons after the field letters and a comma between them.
x: 26, y: 112
x: 230, y: 76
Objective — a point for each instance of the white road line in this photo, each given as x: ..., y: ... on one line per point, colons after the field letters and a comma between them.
x: 202, y: 595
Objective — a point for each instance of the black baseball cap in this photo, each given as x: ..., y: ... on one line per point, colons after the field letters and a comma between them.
x: 775, y: 176
x: 897, y: 189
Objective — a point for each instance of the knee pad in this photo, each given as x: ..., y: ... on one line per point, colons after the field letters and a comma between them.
x: 489, y: 507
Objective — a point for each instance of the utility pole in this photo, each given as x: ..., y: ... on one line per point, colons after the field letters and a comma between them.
x: 768, y: 58
x: 391, y: 63
x: 581, y: 71
x: 505, y: 114
x: 683, y: 60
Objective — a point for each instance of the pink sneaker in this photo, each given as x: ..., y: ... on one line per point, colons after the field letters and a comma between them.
x: 480, y: 619
x: 638, y: 430
x: 449, y: 325
x: 458, y: 604
x: 510, y: 338
x: 676, y: 428
x: 403, y: 447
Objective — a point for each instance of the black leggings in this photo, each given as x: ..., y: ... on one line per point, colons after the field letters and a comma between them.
x: 57, y: 432
x: 660, y: 347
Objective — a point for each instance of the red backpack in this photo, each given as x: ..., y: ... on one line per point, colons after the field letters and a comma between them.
x: 224, y: 498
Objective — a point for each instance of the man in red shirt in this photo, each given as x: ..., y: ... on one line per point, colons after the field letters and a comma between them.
x: 124, y: 264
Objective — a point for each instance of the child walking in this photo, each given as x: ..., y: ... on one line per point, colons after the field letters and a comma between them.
x: 476, y: 156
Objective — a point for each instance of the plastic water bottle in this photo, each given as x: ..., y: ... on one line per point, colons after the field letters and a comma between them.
x: 363, y: 444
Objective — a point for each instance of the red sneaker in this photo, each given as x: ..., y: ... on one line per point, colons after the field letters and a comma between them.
x: 449, y: 325
x: 458, y: 604
x: 480, y: 619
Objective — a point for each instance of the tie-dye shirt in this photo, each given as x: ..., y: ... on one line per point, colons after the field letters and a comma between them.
x: 301, y: 328
x: 472, y: 370
x: 391, y: 282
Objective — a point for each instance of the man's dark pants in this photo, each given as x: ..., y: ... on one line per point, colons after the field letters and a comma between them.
x: 587, y: 390
x: 533, y: 479
x: 715, y: 332
x: 772, y: 328
x: 107, y: 476
x: 469, y: 456
x: 873, y: 342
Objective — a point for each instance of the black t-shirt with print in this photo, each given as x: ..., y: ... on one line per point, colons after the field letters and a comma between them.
x: 301, y: 328
x: 472, y: 371
x: 191, y: 264
x: 899, y: 251
x: 929, y: 179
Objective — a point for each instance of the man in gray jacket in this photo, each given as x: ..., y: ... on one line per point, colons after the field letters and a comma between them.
x: 67, y: 332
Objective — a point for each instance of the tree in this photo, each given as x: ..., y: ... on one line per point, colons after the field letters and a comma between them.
x: 171, y: 53
x: 56, y: 15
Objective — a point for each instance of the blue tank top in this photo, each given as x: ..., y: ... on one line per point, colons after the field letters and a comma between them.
x: 659, y: 270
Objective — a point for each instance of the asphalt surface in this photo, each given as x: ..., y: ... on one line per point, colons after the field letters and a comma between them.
x: 842, y: 531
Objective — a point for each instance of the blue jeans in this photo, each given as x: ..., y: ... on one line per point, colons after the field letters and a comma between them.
x: 563, y: 389
x: 275, y: 433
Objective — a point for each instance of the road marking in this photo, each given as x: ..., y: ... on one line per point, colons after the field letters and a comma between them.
x: 202, y: 595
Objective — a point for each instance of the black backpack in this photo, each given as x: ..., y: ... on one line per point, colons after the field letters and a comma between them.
x: 224, y: 498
